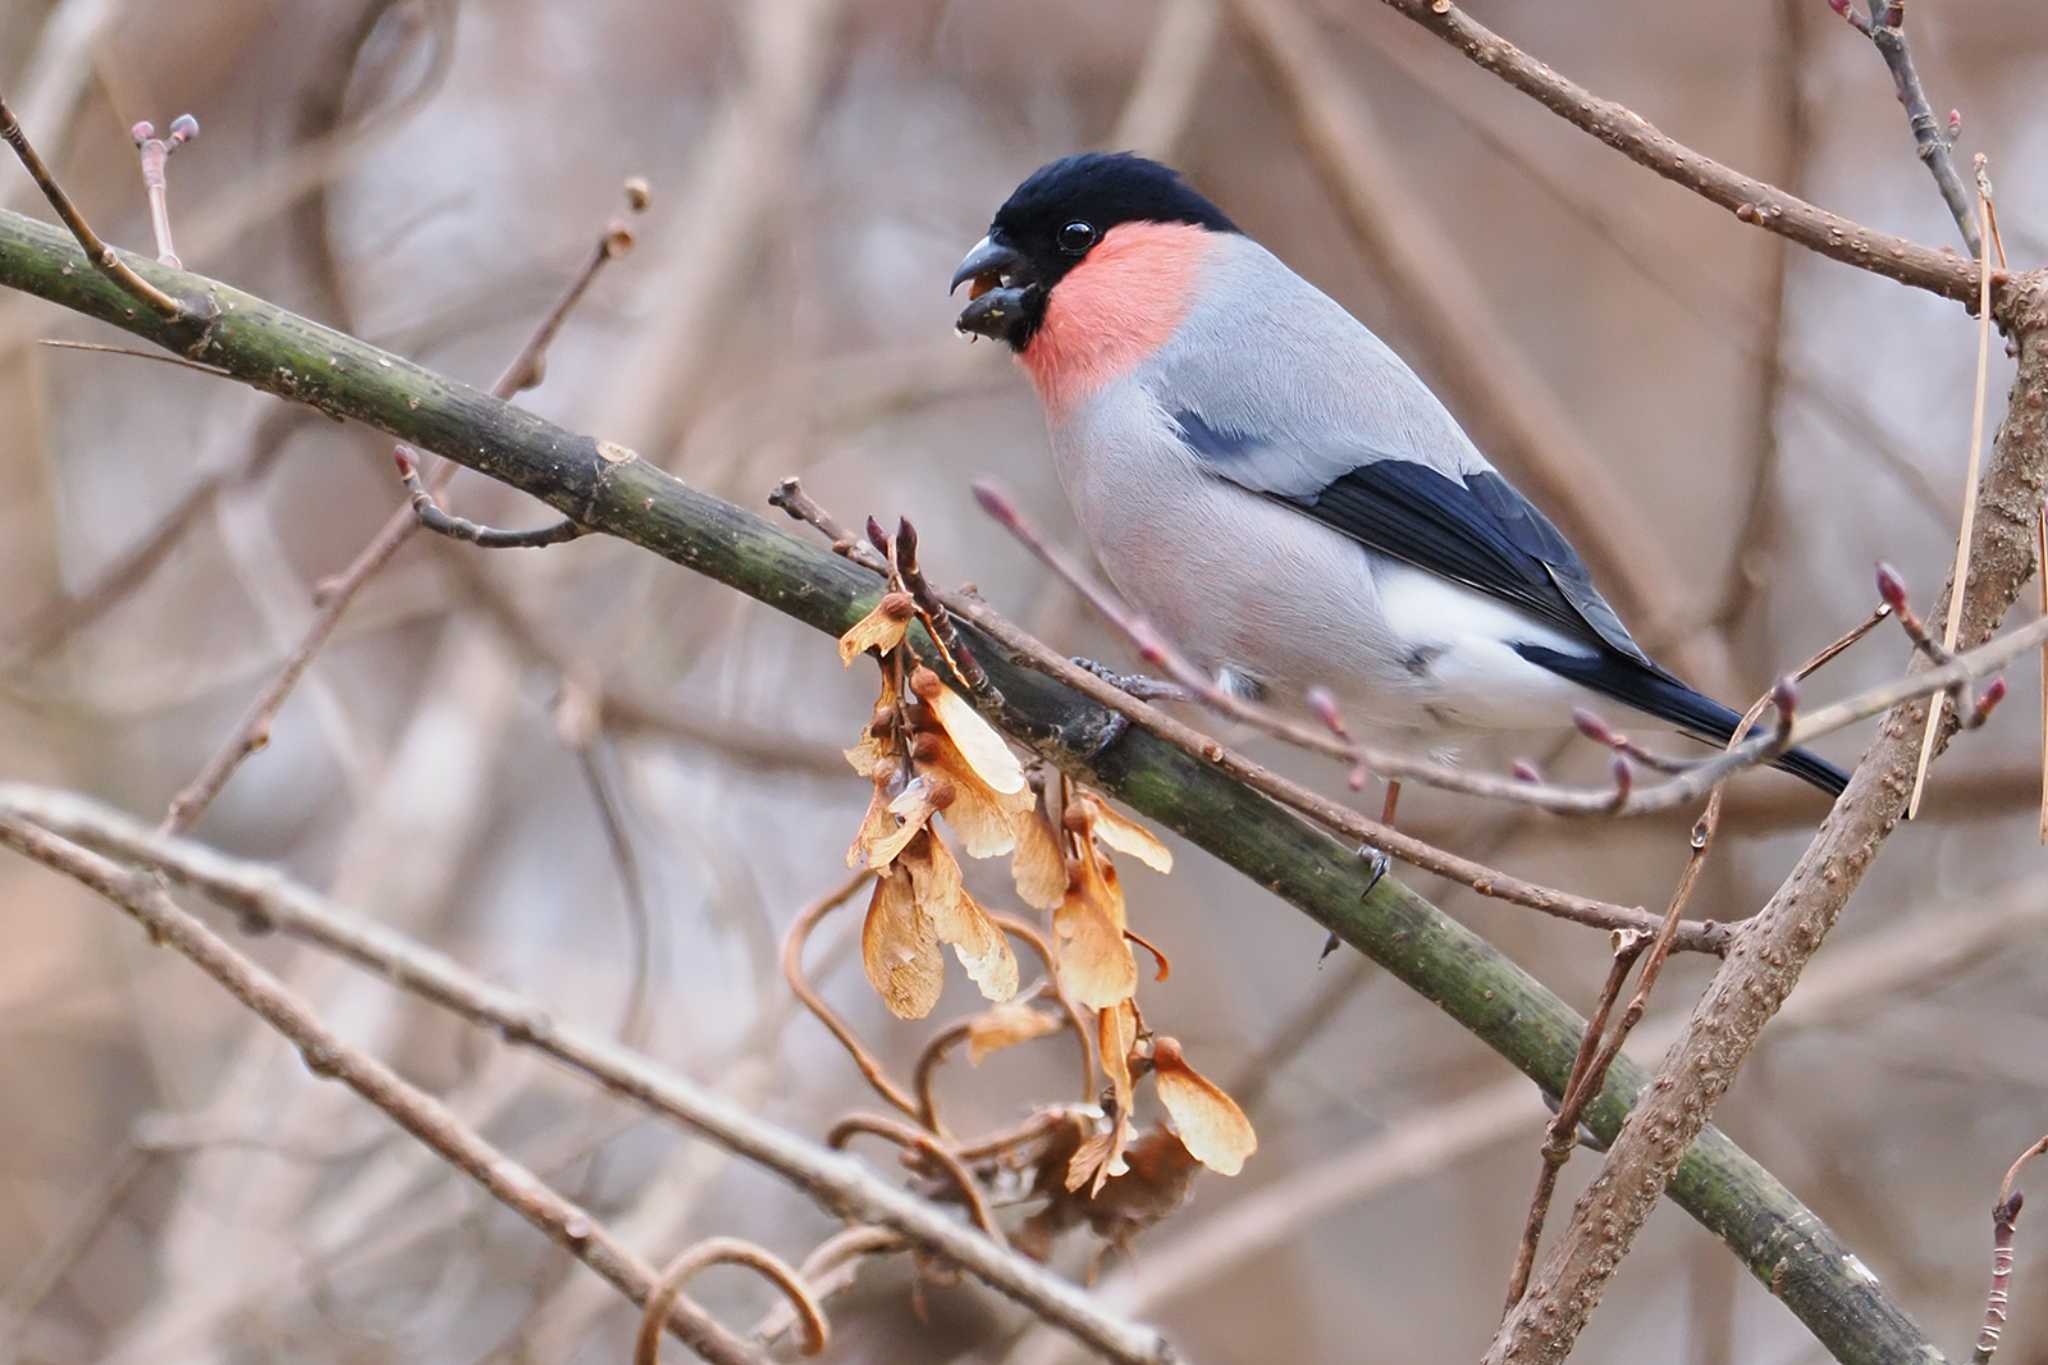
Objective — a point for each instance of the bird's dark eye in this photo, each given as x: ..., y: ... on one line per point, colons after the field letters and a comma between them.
x: 1077, y: 237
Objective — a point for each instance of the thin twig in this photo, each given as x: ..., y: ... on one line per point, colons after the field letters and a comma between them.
x: 1077, y: 1018
x: 2041, y: 578
x: 442, y: 523
x: 1961, y: 573
x: 828, y: 1271
x: 727, y: 1251
x: 160, y: 357
x: 2005, y: 1220
x: 327, y: 1054
x: 869, y: 1065
x: 917, y: 1140
x: 1886, y: 30
x: 155, y: 156
x: 1751, y: 200
x: 265, y: 901
x: 103, y: 257
x: 1561, y: 1135
x: 1596, y: 1054
x: 252, y: 730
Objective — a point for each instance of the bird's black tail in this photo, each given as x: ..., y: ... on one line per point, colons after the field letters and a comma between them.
x: 1669, y: 700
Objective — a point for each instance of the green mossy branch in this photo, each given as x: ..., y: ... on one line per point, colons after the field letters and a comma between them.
x: 609, y: 489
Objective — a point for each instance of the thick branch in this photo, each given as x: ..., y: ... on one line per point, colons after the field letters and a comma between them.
x: 611, y: 490
x: 1775, y: 946
x: 1750, y: 199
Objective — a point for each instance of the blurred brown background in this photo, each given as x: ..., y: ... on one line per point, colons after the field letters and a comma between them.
x: 428, y: 175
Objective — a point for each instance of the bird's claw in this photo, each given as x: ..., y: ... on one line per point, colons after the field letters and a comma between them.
x: 1376, y: 864
x: 1138, y: 685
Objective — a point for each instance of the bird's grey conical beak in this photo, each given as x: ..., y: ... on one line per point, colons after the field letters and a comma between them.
x: 989, y: 258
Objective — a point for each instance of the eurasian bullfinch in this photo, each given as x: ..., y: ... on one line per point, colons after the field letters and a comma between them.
x: 1276, y: 490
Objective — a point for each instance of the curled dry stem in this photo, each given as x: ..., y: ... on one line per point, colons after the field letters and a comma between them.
x: 918, y: 1141
x: 793, y: 942
x: 712, y: 1251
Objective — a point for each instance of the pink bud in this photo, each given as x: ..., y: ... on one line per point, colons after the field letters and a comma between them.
x: 1840, y: 7
x: 1525, y: 771
x: 995, y: 502
x: 1624, y: 778
x: 184, y: 128
x: 1356, y: 780
x: 877, y: 537
x: 1325, y: 708
x: 1591, y: 726
x: 1955, y: 124
x: 142, y: 132
x: 1890, y: 587
x: 1785, y: 695
x: 1987, y: 701
x: 403, y: 459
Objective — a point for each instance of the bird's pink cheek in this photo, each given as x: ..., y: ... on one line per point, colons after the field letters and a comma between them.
x: 1114, y: 310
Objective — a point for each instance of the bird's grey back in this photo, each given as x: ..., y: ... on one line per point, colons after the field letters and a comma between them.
x: 1318, y: 396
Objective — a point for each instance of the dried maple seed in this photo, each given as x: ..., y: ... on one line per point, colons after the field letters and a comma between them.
x: 925, y: 683
x: 883, y: 722
x: 941, y: 793
x: 926, y: 747
x: 1075, y: 819
x: 898, y: 606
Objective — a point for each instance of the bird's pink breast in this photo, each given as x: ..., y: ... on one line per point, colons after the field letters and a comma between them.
x: 1116, y: 308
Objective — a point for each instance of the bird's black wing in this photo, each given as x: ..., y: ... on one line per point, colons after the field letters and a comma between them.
x: 1476, y: 530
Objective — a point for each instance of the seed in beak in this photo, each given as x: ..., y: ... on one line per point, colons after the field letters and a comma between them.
x: 982, y: 283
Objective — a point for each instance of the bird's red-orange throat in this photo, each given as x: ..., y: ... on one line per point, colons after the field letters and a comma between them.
x: 1115, y: 309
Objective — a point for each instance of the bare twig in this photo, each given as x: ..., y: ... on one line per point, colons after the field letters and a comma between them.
x: 267, y: 901
x: 1974, y: 464
x: 917, y: 1140
x: 60, y: 344
x: 2041, y: 578
x: 103, y: 257
x: 1751, y: 200
x: 727, y: 1251
x: 2005, y: 1219
x: 335, y: 595
x: 442, y: 523
x: 1886, y: 30
x: 1562, y: 1133
x: 156, y: 154
x: 793, y: 942
x: 1855, y: 979
x: 1776, y: 944
x: 828, y: 1271
x: 328, y: 1055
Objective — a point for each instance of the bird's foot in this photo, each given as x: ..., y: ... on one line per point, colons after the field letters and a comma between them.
x: 1139, y: 685
x: 1376, y: 864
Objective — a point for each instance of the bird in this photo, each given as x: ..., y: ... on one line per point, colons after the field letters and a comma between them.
x: 1274, y: 489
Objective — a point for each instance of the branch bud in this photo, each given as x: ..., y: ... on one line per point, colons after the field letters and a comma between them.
x: 996, y: 503
x: 1324, y: 705
x: 184, y: 128
x: 638, y: 193
x: 1891, y: 588
x: 1987, y: 702
x: 1592, y: 727
x: 1525, y: 771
